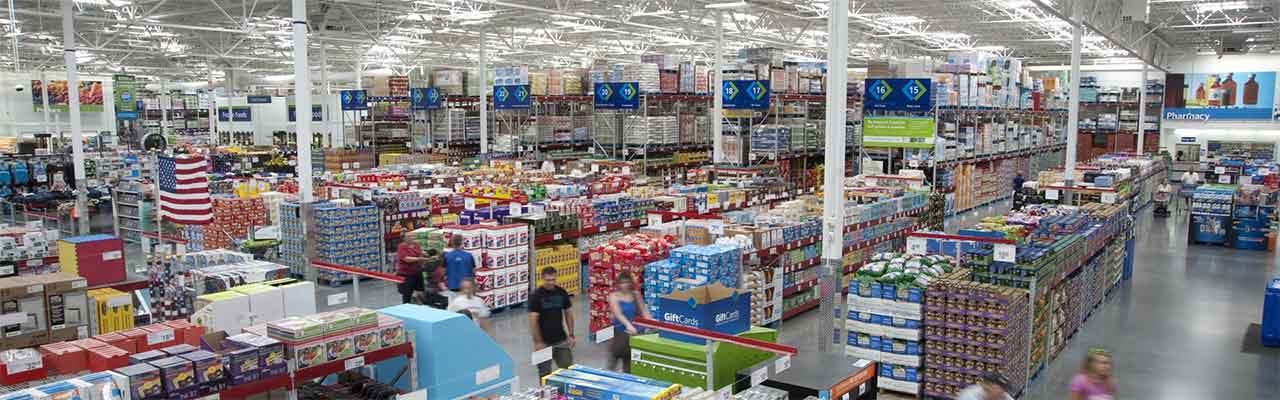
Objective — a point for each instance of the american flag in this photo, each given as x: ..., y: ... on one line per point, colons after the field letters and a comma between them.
x: 184, y: 191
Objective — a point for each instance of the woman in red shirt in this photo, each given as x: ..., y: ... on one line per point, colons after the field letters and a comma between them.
x: 409, y: 260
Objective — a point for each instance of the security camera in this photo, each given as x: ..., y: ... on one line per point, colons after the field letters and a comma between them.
x: 18, y: 87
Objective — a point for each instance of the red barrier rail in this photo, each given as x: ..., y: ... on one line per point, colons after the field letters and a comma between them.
x: 357, y: 271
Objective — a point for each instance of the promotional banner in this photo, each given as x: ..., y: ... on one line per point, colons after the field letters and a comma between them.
x: 511, y: 96
x: 354, y: 100
x: 317, y: 113
x: 90, y: 96
x: 745, y: 94
x: 224, y: 114
x: 241, y: 113
x: 258, y: 99
x: 909, y: 132
x: 1229, y: 95
x: 898, y: 94
x: 125, y: 90
x: 618, y: 95
x: 427, y: 98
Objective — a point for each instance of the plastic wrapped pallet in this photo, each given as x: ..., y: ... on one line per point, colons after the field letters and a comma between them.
x: 538, y: 83
x: 573, y: 82
x: 645, y: 75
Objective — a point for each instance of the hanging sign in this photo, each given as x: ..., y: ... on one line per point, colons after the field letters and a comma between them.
x: 258, y: 99
x: 241, y: 113
x: 424, y: 98
x: 224, y: 114
x: 900, y: 132
x: 1222, y: 95
x: 317, y: 113
x: 59, y: 100
x: 354, y: 100
x: 898, y: 94
x: 125, y: 88
x: 745, y: 94
x: 617, y: 95
x: 511, y: 96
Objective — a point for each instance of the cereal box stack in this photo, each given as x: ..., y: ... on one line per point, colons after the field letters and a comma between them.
x: 502, y: 257
x: 233, y: 217
x: 692, y: 266
x: 350, y: 236
x: 333, y: 336
x: 626, y: 255
x: 974, y: 328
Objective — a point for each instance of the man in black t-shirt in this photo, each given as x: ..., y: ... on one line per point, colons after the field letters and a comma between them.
x: 551, y: 322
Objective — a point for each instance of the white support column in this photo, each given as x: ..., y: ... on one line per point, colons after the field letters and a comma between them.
x: 302, y: 99
x: 833, y: 173
x: 73, y: 101
x: 325, y: 125
x: 44, y: 98
x: 717, y: 94
x: 484, y: 92
x: 166, y: 102
x: 213, y: 109
x: 1073, y: 101
x: 1142, y: 109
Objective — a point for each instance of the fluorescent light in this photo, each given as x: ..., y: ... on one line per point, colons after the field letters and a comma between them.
x: 722, y: 6
x: 473, y: 22
x: 1223, y: 6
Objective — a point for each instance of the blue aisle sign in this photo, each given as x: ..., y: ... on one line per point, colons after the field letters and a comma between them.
x: 511, y: 96
x: 354, y: 100
x: 241, y: 114
x: 259, y: 99
x: 427, y: 98
x: 898, y: 94
x: 224, y: 114
x: 745, y: 94
x: 317, y: 113
x: 618, y: 95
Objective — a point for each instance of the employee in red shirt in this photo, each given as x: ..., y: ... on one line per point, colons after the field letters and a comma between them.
x: 409, y: 262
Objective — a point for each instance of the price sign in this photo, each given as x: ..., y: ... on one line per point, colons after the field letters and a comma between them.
x: 782, y: 364
x: 1109, y: 198
x: 488, y: 374
x: 655, y: 219
x: 1006, y: 253
x: 759, y: 376
x: 917, y: 245
x: 725, y: 394
x: 163, y: 336
x: 469, y: 203
x: 338, y: 298
x: 604, y: 335
x: 914, y: 163
x: 1219, y: 170
x: 420, y: 394
x: 24, y: 365
x: 1224, y: 179
x: 353, y: 363
x: 1051, y: 194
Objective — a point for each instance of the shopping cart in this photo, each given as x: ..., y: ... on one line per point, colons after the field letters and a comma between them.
x: 1161, y: 200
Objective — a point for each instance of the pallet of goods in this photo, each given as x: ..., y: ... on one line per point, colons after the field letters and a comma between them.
x: 501, y: 253
x: 973, y: 329
x: 627, y: 255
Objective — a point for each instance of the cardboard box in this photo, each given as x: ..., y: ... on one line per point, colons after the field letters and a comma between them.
x: 144, y: 381
x: 711, y: 307
x: 65, y: 301
x: 266, y: 303
x: 23, y: 317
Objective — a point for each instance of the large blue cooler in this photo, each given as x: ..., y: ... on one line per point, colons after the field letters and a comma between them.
x: 1271, y: 314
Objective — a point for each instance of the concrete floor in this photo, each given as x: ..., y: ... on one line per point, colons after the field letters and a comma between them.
x: 1177, y: 330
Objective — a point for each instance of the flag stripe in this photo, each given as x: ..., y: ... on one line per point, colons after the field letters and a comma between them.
x: 184, y: 190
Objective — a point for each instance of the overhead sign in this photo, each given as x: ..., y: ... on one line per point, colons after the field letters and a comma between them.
x: 224, y: 114
x: 511, y: 96
x: 745, y: 94
x: 898, y: 94
x: 427, y: 98
x: 1187, y: 139
x: 901, y: 132
x: 317, y: 113
x: 258, y: 99
x: 354, y: 100
x: 241, y: 113
x: 59, y: 100
x: 618, y: 95
x: 1228, y: 95
x: 125, y: 89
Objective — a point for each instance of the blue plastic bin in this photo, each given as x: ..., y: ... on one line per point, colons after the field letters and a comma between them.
x: 1271, y: 314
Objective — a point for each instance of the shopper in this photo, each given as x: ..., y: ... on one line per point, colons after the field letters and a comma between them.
x: 433, y: 273
x: 1094, y: 382
x: 992, y: 386
x: 458, y: 264
x: 551, y: 322
x: 466, y: 300
x: 1017, y: 182
x: 409, y: 262
x: 624, y: 305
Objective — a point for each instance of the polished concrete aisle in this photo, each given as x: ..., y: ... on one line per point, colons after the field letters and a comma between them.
x: 1177, y: 330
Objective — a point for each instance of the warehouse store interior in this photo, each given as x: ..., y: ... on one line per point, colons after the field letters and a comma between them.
x: 639, y: 200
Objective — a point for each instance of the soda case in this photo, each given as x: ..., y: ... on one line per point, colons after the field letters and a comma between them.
x: 501, y: 253
x: 690, y: 267
x: 626, y: 255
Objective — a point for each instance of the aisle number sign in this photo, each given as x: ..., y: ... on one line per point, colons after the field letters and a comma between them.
x: 898, y: 94
x: 745, y: 94
x: 354, y: 100
x: 511, y: 97
x: 900, y: 132
x: 617, y: 95
x: 427, y: 98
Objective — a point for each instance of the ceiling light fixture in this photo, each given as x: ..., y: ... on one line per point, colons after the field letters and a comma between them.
x: 725, y: 6
x: 1223, y: 6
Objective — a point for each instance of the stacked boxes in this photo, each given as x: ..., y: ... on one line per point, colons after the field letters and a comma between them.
x: 972, y: 329
x: 65, y: 301
x: 502, y: 256
x: 349, y: 236
x: 233, y: 218
x: 331, y: 336
x: 23, y: 303
x: 626, y: 255
x: 113, y: 310
x: 98, y: 258
x: 689, y: 267
x: 564, y: 258
x: 22, y: 251
x: 450, y: 83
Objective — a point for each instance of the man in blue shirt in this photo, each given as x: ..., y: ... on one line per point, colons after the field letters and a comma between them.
x: 458, y: 264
